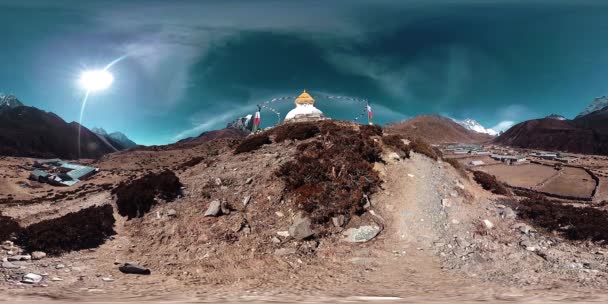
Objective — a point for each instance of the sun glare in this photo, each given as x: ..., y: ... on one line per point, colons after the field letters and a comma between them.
x: 96, y: 80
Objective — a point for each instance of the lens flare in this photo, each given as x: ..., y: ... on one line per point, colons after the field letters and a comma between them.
x: 96, y: 80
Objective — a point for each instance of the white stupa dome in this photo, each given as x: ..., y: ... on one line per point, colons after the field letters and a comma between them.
x: 305, y: 109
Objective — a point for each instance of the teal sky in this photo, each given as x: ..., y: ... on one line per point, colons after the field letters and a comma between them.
x: 193, y: 66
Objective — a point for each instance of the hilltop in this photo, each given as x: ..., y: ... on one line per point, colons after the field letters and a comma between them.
x: 437, y: 129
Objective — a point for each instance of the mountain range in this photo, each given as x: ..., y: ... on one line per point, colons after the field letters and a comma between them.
x: 437, y: 129
x: 587, y: 133
x: 118, y: 139
x: 473, y: 125
x: 31, y: 132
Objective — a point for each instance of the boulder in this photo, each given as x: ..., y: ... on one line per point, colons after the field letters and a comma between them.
x: 300, y: 229
x: 507, y: 213
x: 38, y: 255
x: 214, y: 209
x: 132, y: 268
x: 361, y: 234
x: 171, y: 213
x: 9, y: 265
x: 338, y: 221
x: 31, y: 278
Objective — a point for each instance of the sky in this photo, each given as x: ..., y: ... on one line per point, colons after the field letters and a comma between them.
x: 194, y: 66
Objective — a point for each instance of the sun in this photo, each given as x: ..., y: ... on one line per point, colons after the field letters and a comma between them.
x: 96, y: 80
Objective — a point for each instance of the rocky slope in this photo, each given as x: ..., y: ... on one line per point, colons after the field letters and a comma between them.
x: 437, y: 129
x: 117, y: 139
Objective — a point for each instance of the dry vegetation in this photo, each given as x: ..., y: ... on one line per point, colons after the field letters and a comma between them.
x: 457, y: 165
x: 332, y: 175
x: 420, y: 146
x: 397, y: 144
x: 136, y: 198
x: 8, y: 227
x: 295, y: 131
x: 489, y: 182
x: 252, y: 143
x: 574, y: 223
x: 87, y: 228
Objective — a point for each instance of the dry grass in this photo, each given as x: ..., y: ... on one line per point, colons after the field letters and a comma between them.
x: 136, y: 198
x: 574, y: 223
x: 420, y: 146
x: 457, y: 165
x: 330, y: 176
x: 489, y: 182
x: 396, y: 143
x: 87, y: 228
x: 252, y: 143
x: 8, y: 227
x: 295, y: 131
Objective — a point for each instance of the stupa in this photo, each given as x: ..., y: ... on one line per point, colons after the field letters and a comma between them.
x: 305, y: 109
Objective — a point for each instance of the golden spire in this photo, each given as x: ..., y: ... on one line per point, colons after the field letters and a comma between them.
x: 305, y: 98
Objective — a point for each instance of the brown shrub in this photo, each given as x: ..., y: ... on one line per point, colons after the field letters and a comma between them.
x: 489, y: 182
x: 252, y: 143
x: 370, y: 130
x: 87, y: 228
x: 396, y: 142
x: 8, y: 227
x: 457, y: 165
x: 297, y: 131
x: 330, y: 177
x: 420, y: 146
x: 136, y: 198
x: 574, y: 223
x: 530, y: 194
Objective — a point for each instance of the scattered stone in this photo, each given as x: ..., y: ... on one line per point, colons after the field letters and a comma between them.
x: 225, y: 208
x: 368, y: 203
x: 31, y: 278
x: 410, y: 175
x: 488, y: 224
x: 507, y: 213
x: 454, y: 194
x: 218, y: 181
x: 393, y: 156
x: 59, y: 266
x: 214, y: 208
x: 459, y: 185
x: 338, y: 221
x: 249, y: 180
x: 15, y: 258
x: 275, y: 240
x: 284, y: 251
x: 107, y: 279
x: 171, y: 213
x: 361, y: 234
x: 56, y: 279
x: 279, y: 214
x: 38, y: 255
x: 246, y: 200
x: 9, y: 265
x: 446, y: 203
x: 300, y: 229
x: 528, y: 245
x: 455, y: 222
x: 379, y: 168
x: 283, y: 233
x: 131, y: 268
x: 524, y: 228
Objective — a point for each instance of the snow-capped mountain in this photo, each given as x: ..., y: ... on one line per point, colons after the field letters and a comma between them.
x: 9, y: 101
x: 597, y: 104
x: 473, y: 125
x: 556, y: 117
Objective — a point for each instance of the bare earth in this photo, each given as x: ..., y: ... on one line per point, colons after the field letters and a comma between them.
x: 434, y: 247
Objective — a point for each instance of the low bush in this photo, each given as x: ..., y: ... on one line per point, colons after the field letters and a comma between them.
x: 87, y: 228
x: 489, y: 182
x: 8, y: 227
x: 457, y: 165
x: 396, y: 142
x: 136, y: 198
x: 370, y: 130
x: 420, y: 146
x: 330, y: 176
x: 252, y: 143
x: 574, y: 223
x: 297, y: 131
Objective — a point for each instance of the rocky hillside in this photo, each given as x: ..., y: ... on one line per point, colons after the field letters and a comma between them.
x: 31, y: 132
x: 117, y: 139
x: 437, y: 129
x: 586, y: 134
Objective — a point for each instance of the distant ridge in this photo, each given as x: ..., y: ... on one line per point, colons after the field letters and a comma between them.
x: 437, y: 129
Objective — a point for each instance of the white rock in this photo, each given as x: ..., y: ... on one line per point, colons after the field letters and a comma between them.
x: 488, y: 224
x: 283, y: 233
x: 214, y: 208
x: 410, y: 175
x: 361, y: 234
x: 56, y: 279
x: 31, y: 278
